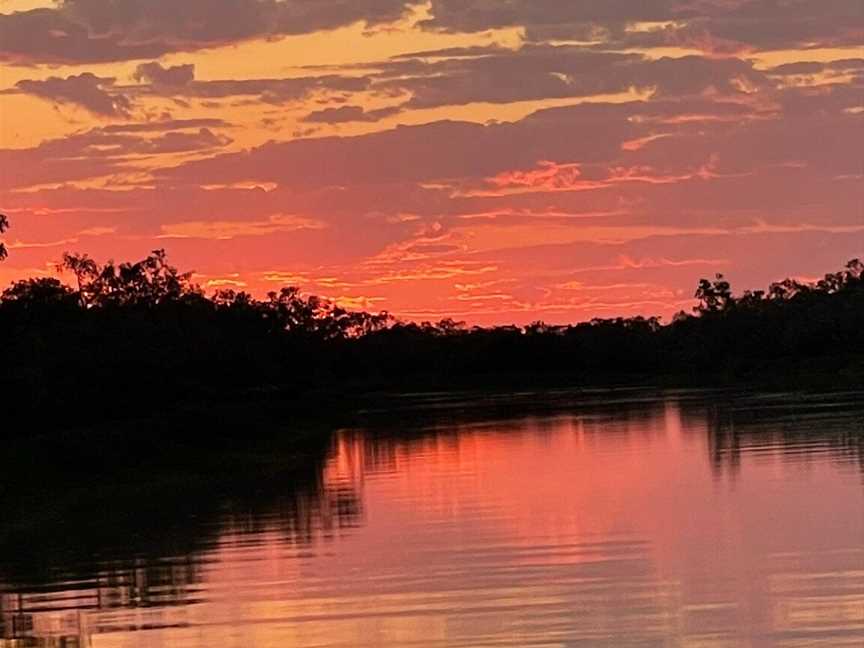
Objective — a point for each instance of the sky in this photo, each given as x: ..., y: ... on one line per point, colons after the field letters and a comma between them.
x: 493, y: 161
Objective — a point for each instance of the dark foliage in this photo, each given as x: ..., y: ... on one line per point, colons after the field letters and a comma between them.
x: 138, y: 338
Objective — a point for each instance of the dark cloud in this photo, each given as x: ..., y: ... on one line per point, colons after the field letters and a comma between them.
x: 179, y: 81
x: 491, y: 75
x: 709, y: 24
x: 661, y: 159
x: 102, y: 96
x: 155, y: 73
x: 100, y: 152
x: 780, y: 24
x: 480, y: 15
x: 164, y: 125
x: 440, y: 150
x: 543, y: 72
x: 94, y: 94
x: 179, y: 142
x: 807, y: 68
x: 345, y: 114
x: 454, y: 52
x: 89, y: 31
x: 274, y: 91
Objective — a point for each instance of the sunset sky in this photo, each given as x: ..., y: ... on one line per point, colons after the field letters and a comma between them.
x: 490, y: 160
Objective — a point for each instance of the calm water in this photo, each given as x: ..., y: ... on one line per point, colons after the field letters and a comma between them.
x: 679, y: 519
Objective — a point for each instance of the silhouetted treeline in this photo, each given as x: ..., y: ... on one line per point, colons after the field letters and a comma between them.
x: 139, y: 337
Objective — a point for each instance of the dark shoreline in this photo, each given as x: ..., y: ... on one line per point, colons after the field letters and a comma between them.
x: 338, y: 403
x: 236, y: 432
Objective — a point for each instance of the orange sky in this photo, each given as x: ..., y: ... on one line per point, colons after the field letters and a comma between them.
x: 491, y: 161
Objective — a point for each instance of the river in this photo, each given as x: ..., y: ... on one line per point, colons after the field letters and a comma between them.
x: 622, y: 518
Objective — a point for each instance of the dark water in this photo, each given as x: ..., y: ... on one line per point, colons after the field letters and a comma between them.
x: 680, y: 519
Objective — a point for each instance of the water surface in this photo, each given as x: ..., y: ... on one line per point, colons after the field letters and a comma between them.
x: 606, y: 519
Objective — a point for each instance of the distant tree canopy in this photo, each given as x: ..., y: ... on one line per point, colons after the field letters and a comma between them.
x: 142, y: 336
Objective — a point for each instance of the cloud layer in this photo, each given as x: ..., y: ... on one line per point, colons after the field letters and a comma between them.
x: 91, y: 31
x: 597, y: 165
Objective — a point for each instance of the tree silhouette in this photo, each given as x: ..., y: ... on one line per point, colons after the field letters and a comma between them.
x: 86, y: 272
x: 35, y: 292
x: 787, y: 289
x: 714, y: 296
x: 148, y: 282
x: 142, y: 336
x: 4, y: 225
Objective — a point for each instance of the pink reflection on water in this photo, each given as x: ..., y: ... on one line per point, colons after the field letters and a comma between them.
x: 643, y: 525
